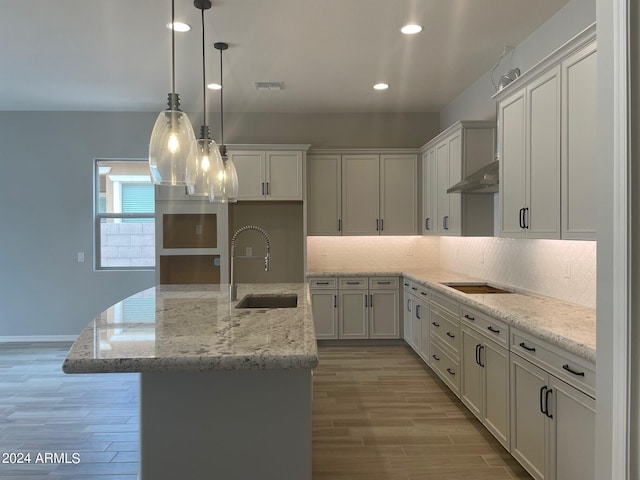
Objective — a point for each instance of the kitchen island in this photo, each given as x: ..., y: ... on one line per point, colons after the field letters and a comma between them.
x: 225, y: 392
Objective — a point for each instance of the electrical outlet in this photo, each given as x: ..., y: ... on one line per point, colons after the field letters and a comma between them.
x: 80, y: 257
x: 198, y: 229
x: 249, y: 251
x: 567, y: 269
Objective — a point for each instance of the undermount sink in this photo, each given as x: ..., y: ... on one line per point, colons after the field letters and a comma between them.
x: 477, y: 288
x: 268, y: 301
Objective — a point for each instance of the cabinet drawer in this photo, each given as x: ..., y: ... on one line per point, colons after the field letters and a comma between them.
x: 576, y: 371
x: 446, y: 331
x: 445, y: 367
x: 390, y: 283
x: 354, y: 282
x: 329, y: 283
x: 489, y: 327
x: 450, y: 306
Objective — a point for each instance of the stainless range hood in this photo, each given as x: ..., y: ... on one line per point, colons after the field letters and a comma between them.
x: 484, y: 180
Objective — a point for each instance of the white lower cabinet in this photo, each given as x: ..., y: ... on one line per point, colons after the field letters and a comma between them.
x: 552, y: 424
x: 355, y: 307
x: 485, y: 382
x: 416, y: 317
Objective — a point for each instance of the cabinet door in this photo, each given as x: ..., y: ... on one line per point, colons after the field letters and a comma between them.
x: 454, y: 223
x: 496, y: 391
x: 416, y: 324
x: 324, y: 195
x: 360, y: 194
x: 407, y: 318
x: 442, y: 172
x: 284, y: 175
x: 528, y: 422
x: 542, y: 218
x: 424, y: 317
x: 325, y: 313
x: 251, y: 174
x: 471, y: 386
x: 572, y: 433
x: 429, y: 192
x: 579, y: 119
x: 511, y: 144
x: 398, y: 194
x: 384, y: 314
x: 353, y: 308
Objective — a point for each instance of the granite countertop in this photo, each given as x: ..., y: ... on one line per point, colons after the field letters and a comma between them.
x: 196, y: 328
x: 566, y: 325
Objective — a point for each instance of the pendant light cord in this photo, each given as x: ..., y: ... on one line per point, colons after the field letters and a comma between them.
x: 204, y: 82
x: 221, y: 104
x: 173, y: 47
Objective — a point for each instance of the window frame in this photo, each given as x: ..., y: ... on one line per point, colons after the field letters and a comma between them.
x: 98, y: 217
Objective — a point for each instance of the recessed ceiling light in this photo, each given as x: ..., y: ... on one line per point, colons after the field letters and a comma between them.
x: 179, y: 26
x: 381, y: 86
x: 411, y: 29
x: 214, y: 86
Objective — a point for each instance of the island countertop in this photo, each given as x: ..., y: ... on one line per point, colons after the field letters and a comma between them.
x: 171, y: 328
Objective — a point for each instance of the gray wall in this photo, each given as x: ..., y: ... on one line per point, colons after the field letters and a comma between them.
x: 46, y: 208
x: 475, y: 102
x: 46, y: 217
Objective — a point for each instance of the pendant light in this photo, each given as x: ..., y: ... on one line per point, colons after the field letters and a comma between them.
x: 209, y: 173
x: 172, y: 147
x: 230, y: 177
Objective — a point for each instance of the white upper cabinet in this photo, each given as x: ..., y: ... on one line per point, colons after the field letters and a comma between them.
x: 353, y: 193
x: 398, y: 194
x: 546, y: 139
x: 579, y: 118
x: 429, y: 192
x: 360, y: 194
x: 324, y: 195
x: 530, y: 163
x: 455, y: 153
x: 269, y: 174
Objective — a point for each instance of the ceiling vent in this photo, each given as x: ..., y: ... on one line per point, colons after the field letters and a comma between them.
x: 268, y: 86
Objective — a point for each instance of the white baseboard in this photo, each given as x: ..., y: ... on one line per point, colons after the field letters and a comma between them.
x: 38, y: 338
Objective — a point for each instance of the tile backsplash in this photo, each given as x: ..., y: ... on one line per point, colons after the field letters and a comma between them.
x: 371, y: 253
x: 556, y: 268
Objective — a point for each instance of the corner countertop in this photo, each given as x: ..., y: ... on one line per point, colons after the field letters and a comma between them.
x: 566, y: 325
x: 172, y: 328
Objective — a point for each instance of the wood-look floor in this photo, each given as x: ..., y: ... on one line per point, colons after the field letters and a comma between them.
x: 378, y: 413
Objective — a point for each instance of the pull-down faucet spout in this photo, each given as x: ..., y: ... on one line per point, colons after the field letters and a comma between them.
x: 233, y: 288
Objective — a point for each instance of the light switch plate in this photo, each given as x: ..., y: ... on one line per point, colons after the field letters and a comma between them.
x: 80, y: 257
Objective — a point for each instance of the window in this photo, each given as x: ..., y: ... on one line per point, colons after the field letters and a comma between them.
x: 124, y: 215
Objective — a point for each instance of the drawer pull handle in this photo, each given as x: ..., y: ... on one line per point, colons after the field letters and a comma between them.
x: 322, y: 283
x: 524, y: 345
x: 406, y: 284
x: 384, y: 283
x: 469, y: 317
x: 570, y: 370
x: 435, y: 357
x: 450, y: 335
x: 353, y: 283
x: 414, y: 288
x: 435, y: 324
x: 424, y: 293
x: 493, y: 330
x: 451, y: 372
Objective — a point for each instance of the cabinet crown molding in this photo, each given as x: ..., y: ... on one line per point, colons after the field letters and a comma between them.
x: 583, y: 38
x: 268, y: 146
x: 366, y: 151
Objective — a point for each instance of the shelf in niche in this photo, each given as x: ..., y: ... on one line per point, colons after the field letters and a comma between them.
x: 189, y: 230
x: 189, y: 269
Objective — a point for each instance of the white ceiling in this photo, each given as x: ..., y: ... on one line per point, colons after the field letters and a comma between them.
x: 114, y: 55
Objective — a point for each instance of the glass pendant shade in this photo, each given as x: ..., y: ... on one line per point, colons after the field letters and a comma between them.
x: 209, y: 174
x: 173, y: 150
x: 229, y: 181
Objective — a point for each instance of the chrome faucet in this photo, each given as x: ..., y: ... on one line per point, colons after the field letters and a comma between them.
x: 233, y: 288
